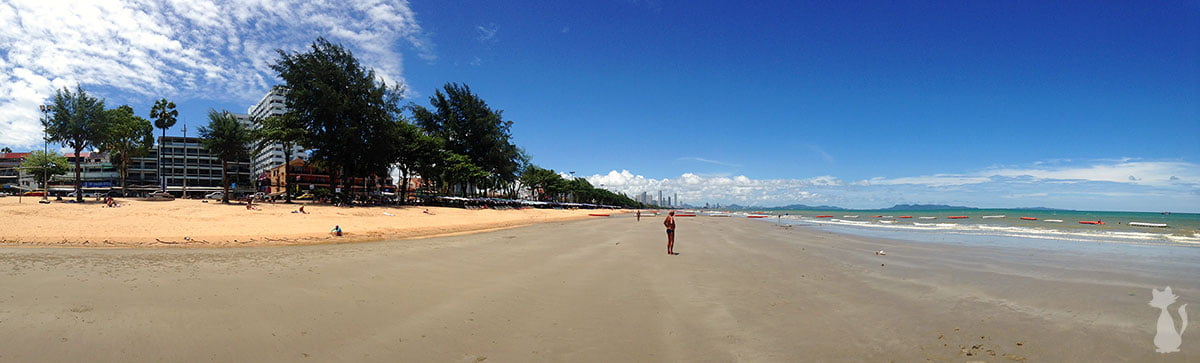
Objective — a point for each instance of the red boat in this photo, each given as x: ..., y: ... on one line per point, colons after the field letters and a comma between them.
x: 904, y: 217
x: 957, y: 217
x: 757, y: 216
x: 1028, y: 218
x: 597, y: 215
x: 876, y: 216
x: 823, y: 217
x: 1091, y: 222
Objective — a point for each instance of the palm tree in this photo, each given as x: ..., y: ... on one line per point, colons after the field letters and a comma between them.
x: 78, y: 123
x: 127, y: 136
x: 225, y: 138
x: 164, y: 115
x: 284, y: 129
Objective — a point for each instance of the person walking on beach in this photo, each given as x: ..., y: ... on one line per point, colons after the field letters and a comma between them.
x: 639, y: 216
x: 670, y: 224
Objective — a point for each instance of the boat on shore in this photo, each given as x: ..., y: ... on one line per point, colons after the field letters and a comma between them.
x: 823, y: 217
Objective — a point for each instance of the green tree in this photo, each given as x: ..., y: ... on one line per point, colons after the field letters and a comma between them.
x: 418, y: 154
x: 459, y: 170
x: 44, y: 166
x: 164, y: 114
x: 543, y: 184
x: 127, y: 136
x: 78, y: 122
x: 6, y: 149
x: 348, y: 112
x: 225, y: 138
x: 284, y: 129
x: 473, y: 129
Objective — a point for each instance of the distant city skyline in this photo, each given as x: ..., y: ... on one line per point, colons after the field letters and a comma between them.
x: 861, y: 105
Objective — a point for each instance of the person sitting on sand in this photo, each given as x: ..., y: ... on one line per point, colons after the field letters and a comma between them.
x: 427, y: 212
x: 301, y: 210
x: 336, y: 231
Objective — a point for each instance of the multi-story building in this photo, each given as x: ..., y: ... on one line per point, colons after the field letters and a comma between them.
x: 96, y: 174
x: 11, y: 180
x: 186, y: 162
x: 272, y: 104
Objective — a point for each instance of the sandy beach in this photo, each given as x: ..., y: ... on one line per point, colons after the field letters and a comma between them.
x: 207, y: 223
x: 599, y: 290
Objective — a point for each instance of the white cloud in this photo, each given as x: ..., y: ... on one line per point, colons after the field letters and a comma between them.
x: 487, y: 34
x: 180, y: 48
x: 1099, y: 185
x: 1150, y: 173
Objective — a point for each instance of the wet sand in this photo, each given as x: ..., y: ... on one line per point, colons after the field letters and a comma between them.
x: 597, y: 290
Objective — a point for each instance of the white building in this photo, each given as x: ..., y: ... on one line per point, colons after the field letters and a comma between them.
x: 271, y: 104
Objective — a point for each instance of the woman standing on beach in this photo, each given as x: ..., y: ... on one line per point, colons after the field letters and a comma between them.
x: 670, y: 224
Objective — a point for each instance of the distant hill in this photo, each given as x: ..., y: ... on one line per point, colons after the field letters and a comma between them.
x: 925, y: 207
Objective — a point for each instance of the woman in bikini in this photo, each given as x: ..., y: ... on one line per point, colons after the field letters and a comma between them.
x: 670, y: 224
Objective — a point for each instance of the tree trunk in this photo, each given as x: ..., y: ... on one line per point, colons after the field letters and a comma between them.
x: 124, y: 170
x: 161, y: 178
x: 404, y: 186
x: 78, y: 180
x: 287, y: 164
x: 225, y: 182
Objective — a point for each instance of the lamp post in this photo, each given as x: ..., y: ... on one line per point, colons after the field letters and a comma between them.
x: 185, y: 161
x: 46, y: 149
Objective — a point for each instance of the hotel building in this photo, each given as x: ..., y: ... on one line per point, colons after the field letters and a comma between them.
x: 272, y: 104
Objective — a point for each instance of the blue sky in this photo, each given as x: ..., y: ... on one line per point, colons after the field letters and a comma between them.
x: 992, y: 104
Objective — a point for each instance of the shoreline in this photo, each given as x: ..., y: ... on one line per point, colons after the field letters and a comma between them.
x: 196, y: 223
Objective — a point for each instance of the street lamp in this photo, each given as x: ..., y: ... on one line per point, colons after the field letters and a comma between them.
x: 185, y: 160
x: 46, y: 149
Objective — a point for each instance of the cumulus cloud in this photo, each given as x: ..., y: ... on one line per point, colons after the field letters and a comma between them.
x: 698, y: 189
x: 192, y: 48
x: 1105, y: 184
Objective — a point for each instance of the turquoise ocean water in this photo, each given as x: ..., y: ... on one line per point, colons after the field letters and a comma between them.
x: 1182, y: 229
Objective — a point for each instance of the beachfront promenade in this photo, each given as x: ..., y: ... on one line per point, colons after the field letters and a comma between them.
x: 598, y: 289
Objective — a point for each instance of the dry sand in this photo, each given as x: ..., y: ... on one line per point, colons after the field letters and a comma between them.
x: 599, y: 290
x: 198, y: 223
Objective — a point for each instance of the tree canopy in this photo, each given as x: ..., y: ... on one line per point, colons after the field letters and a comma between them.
x: 164, y: 114
x: 284, y: 129
x: 78, y: 122
x: 44, y: 165
x: 347, y: 112
x: 471, y: 128
x: 126, y: 136
x: 226, y: 139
